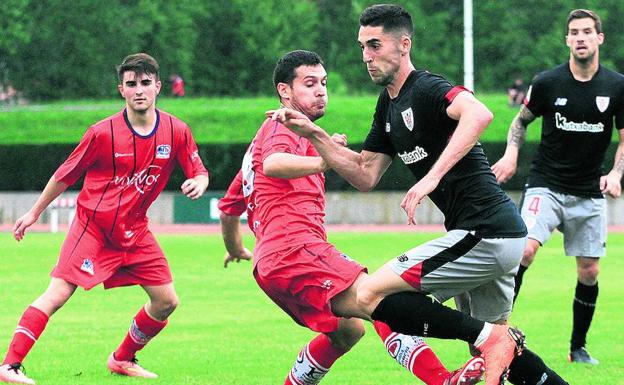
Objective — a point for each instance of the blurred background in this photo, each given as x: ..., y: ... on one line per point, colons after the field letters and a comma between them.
x: 58, y: 59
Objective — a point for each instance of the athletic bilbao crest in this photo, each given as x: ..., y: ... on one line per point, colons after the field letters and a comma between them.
x: 602, y: 102
x: 408, y: 118
x: 163, y: 151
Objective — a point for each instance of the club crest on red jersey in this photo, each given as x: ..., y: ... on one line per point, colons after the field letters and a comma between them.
x: 87, y: 266
x: 408, y: 118
x: 163, y: 151
x: 602, y: 102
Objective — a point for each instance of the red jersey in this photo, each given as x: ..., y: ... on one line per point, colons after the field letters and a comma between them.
x: 282, y: 213
x: 125, y: 171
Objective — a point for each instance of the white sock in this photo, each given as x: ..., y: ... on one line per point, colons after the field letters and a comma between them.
x: 485, y: 333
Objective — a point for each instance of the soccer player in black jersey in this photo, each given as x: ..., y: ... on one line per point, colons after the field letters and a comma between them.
x: 433, y: 127
x: 578, y: 101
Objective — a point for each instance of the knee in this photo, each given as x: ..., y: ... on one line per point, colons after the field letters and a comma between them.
x: 166, y: 306
x: 367, y: 298
x: 53, y: 299
x: 588, y: 274
x: 529, y: 253
x: 345, y: 338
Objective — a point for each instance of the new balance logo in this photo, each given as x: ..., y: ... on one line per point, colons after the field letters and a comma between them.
x: 402, y: 258
x: 561, y: 101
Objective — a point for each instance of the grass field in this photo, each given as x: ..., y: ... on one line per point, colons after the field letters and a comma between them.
x: 227, y: 332
x: 213, y: 120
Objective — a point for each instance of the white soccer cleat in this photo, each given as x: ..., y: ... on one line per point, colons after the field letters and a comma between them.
x: 128, y: 368
x: 12, y: 374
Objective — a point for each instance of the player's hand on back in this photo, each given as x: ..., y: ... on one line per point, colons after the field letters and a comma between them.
x: 24, y: 222
x: 610, y: 184
x: 504, y: 169
x: 244, y: 254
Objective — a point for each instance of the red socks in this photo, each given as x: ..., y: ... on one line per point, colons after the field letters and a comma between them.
x: 26, y: 333
x: 142, y: 330
x: 413, y: 354
x: 313, y: 361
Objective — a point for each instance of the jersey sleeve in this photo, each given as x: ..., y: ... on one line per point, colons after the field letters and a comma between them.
x: 279, y: 139
x: 535, y: 96
x: 188, y: 156
x: 233, y: 203
x: 377, y: 139
x: 440, y: 94
x: 79, y: 161
x: 619, y: 112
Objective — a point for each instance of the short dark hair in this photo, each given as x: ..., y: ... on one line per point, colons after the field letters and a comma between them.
x: 287, y: 65
x: 584, y: 14
x: 139, y: 63
x: 392, y: 17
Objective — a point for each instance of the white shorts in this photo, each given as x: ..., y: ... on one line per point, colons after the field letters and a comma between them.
x: 583, y: 221
x: 460, y: 262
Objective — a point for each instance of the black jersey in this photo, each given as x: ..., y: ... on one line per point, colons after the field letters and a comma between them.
x: 577, y: 126
x: 416, y: 127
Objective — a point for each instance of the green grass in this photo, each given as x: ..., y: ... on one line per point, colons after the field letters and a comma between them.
x: 226, y: 331
x: 213, y: 120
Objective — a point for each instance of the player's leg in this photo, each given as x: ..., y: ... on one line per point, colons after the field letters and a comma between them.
x: 585, y: 236
x: 493, y: 302
x: 411, y: 352
x: 527, y: 259
x: 443, y: 267
x: 541, y: 210
x: 584, y: 305
x: 31, y: 326
x: 317, y: 356
x: 147, y: 323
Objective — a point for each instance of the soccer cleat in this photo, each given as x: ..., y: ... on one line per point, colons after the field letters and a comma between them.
x: 582, y: 356
x: 128, y: 368
x: 498, y: 350
x: 13, y: 374
x: 470, y: 374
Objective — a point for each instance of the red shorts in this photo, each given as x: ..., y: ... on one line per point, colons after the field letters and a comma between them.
x: 302, y: 280
x: 88, y: 258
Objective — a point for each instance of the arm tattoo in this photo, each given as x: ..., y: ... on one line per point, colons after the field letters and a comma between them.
x: 619, y: 164
x: 518, y: 128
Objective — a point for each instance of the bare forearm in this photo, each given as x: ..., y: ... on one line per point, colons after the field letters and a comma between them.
x: 289, y: 166
x: 203, y: 180
x: 470, y: 127
x: 51, y: 191
x: 347, y: 163
x: 517, y: 131
x: 618, y: 164
x: 232, y: 234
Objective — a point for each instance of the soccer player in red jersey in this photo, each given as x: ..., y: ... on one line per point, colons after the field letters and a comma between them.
x: 126, y: 159
x: 281, y: 187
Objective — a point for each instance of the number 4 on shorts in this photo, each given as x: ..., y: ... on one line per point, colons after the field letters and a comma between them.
x: 534, y: 205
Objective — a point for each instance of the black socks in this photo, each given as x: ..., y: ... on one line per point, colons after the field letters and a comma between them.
x: 583, y: 312
x: 529, y: 369
x: 416, y: 314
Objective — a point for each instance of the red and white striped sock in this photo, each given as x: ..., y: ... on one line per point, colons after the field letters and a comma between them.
x: 142, y: 330
x: 413, y: 354
x: 28, y: 330
x: 313, y: 362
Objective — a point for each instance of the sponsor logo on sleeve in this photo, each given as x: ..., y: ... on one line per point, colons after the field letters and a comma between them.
x: 163, y: 151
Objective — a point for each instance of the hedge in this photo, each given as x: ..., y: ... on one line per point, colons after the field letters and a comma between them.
x: 29, y: 167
